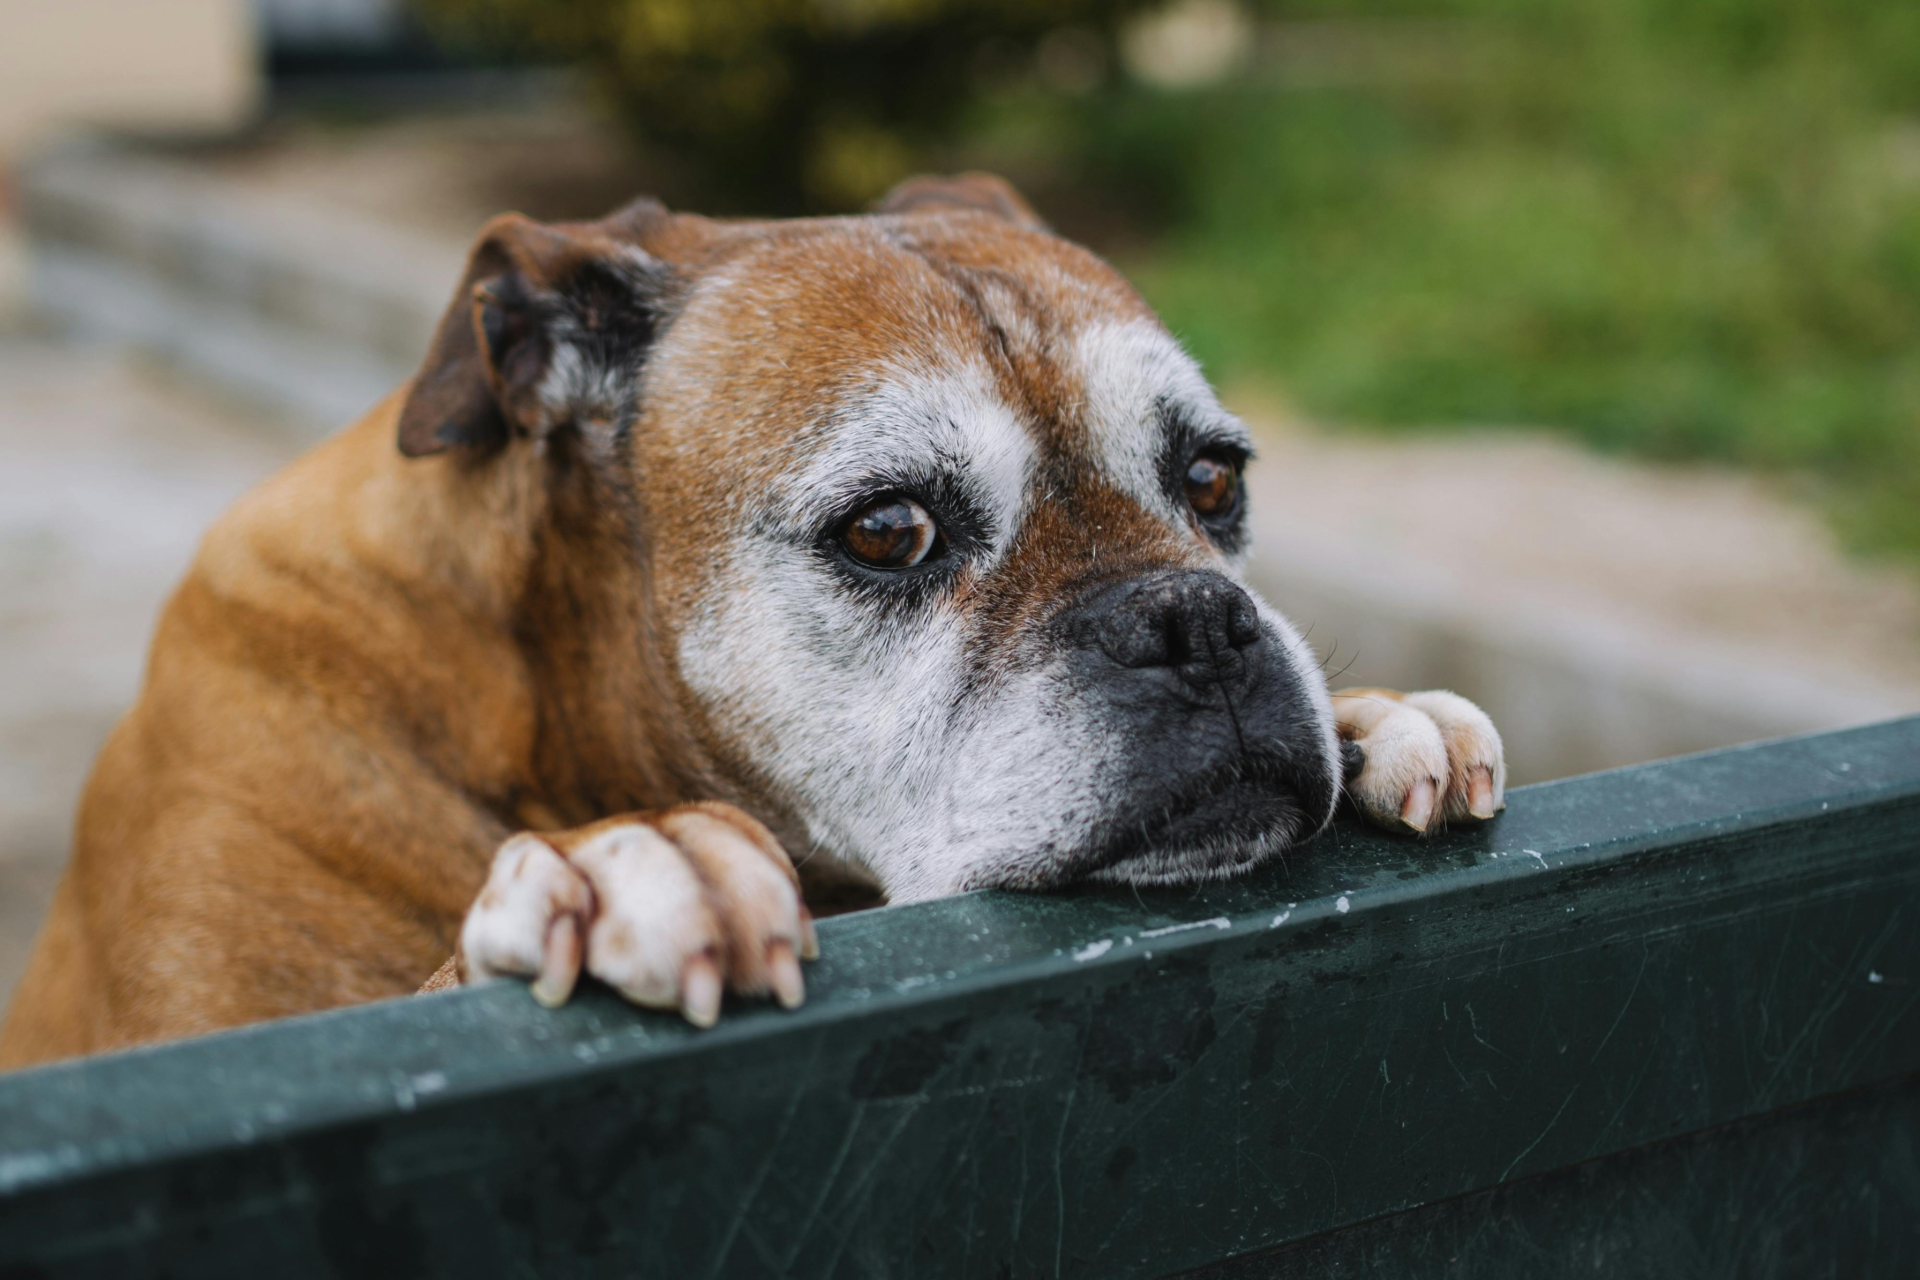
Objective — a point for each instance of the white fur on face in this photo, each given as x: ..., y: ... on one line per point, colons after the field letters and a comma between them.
x: 848, y: 704
x: 867, y: 714
x: 1136, y: 378
x: 917, y: 421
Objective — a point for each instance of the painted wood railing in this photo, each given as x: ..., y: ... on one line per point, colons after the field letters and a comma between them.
x: 1662, y: 1021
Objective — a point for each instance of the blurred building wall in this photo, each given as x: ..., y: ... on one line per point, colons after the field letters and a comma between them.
x: 163, y: 65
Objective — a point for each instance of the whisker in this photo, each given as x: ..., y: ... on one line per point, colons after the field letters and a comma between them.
x: 1343, y: 670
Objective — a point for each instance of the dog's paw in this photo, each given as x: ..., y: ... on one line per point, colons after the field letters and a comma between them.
x: 1413, y: 758
x: 668, y: 907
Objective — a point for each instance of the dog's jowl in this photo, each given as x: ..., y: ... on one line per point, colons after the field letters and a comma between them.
x: 903, y: 549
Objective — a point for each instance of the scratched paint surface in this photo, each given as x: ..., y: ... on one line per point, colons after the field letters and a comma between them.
x: 1100, y: 1083
x: 1826, y: 1191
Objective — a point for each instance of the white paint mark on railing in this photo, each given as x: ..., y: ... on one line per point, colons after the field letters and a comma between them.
x: 1218, y: 922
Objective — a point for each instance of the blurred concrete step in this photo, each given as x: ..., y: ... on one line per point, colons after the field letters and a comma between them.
x: 1603, y: 612
x: 313, y: 312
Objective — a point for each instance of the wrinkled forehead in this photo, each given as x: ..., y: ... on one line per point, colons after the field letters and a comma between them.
x: 864, y: 354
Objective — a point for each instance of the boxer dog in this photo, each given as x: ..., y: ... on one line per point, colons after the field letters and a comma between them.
x: 715, y: 559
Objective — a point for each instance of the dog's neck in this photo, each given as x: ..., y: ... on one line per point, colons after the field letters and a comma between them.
x: 509, y: 588
x: 616, y: 731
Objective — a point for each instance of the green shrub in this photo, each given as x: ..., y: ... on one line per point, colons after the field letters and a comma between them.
x: 781, y: 105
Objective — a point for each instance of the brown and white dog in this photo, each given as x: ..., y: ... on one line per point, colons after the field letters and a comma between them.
x: 907, y: 543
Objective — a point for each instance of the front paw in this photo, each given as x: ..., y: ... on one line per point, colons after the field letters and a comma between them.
x: 668, y: 907
x: 1417, y: 757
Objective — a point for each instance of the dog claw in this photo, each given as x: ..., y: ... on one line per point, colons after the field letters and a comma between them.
x: 1480, y: 793
x: 700, y: 991
x: 560, y: 963
x: 1417, y: 810
x: 809, y: 940
x: 784, y: 972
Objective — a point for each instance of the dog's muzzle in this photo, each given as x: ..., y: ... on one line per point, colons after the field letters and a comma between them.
x: 1225, y: 754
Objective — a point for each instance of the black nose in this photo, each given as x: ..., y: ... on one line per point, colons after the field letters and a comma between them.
x: 1195, y: 622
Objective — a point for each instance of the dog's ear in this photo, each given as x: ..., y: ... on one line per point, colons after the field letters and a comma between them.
x: 981, y: 192
x: 548, y: 325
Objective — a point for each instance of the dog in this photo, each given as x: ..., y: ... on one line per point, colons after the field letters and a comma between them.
x: 740, y: 568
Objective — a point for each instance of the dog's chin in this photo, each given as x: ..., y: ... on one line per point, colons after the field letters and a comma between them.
x: 1233, y: 833
x: 1222, y: 828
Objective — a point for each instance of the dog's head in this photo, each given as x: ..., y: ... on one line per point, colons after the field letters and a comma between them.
x: 939, y: 532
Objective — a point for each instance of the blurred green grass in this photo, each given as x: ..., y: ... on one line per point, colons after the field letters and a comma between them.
x: 1685, y: 230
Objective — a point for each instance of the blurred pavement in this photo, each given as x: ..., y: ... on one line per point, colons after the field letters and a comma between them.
x: 109, y: 471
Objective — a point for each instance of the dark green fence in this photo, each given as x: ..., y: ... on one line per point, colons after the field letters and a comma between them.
x: 1655, y: 1022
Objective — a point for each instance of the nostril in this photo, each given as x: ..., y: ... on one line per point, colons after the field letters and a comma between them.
x: 1243, y: 619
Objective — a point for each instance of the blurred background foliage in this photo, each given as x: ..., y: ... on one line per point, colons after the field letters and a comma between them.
x: 782, y: 106
x: 1686, y: 228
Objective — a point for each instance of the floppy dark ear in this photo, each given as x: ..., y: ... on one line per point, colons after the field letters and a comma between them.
x: 982, y: 192
x: 529, y: 291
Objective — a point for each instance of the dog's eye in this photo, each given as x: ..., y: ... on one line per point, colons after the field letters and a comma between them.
x: 893, y: 533
x: 1213, y: 487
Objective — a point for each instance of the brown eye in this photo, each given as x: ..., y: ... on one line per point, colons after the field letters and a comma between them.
x: 893, y: 533
x: 1213, y: 487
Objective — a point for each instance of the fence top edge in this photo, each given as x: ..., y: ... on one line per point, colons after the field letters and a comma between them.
x: 74, y: 1120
